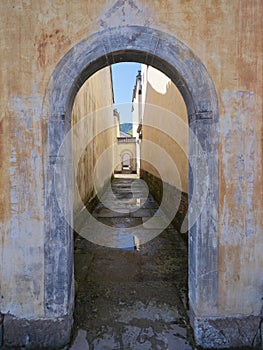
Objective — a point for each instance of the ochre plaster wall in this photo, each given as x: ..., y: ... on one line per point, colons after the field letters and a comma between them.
x: 93, y: 108
x: 225, y: 35
x: 162, y: 101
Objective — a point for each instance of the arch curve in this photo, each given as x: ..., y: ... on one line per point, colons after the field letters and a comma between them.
x: 127, y: 158
x: 132, y: 44
x: 176, y: 60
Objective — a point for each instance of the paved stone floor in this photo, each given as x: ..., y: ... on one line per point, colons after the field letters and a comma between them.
x: 133, y: 297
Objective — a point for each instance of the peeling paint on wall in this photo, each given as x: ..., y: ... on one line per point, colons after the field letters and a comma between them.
x: 124, y: 9
x: 241, y: 213
x: 24, y: 231
x: 50, y: 44
x: 238, y: 158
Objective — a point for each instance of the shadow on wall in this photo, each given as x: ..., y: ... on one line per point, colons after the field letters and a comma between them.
x: 156, y: 185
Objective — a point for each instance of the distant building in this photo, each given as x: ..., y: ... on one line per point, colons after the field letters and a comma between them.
x: 125, y: 151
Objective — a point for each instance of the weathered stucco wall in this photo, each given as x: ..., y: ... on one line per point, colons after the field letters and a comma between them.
x: 93, y: 107
x: 162, y: 101
x: 225, y: 35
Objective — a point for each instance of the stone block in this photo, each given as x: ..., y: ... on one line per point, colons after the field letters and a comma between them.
x: 227, y: 332
x: 37, y: 334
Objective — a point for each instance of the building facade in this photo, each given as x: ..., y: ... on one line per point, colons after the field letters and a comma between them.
x: 212, y: 51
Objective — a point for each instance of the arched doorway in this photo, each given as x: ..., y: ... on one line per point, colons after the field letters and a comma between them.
x: 172, y: 57
x: 126, y: 161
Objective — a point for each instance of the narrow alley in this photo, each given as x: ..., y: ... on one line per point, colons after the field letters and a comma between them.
x: 135, y: 297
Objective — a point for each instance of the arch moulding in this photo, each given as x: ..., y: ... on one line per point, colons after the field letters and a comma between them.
x: 176, y: 60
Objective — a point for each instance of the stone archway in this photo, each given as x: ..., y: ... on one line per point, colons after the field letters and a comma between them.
x: 127, y: 159
x: 172, y: 57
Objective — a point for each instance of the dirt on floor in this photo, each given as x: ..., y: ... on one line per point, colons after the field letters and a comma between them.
x: 133, y: 298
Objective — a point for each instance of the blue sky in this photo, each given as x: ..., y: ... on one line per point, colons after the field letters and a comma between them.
x: 123, y: 76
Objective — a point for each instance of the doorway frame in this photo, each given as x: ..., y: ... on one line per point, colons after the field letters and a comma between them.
x: 169, y: 55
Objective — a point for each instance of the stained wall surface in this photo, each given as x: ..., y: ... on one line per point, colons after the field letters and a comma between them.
x: 225, y: 35
x: 162, y: 101
x: 93, y: 108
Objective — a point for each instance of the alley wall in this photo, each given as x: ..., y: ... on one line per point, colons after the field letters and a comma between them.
x: 164, y: 155
x: 162, y: 102
x: 93, y: 108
